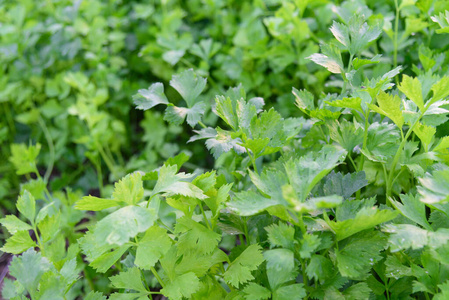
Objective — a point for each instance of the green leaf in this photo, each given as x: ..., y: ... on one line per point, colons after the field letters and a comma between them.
x: 189, y: 86
x: 344, y: 185
x: 425, y: 134
x: 176, y: 115
x: 389, y: 106
x: 105, y: 261
x: 357, y: 291
x: 24, y: 158
x: 404, y: 236
x: 95, y: 296
x: 225, y: 109
x: 18, y: 243
x: 444, y: 287
x: 396, y: 269
x: 129, y: 279
x: 441, y: 88
x: 223, y: 142
x: 195, y: 237
x: 248, y: 203
x: 281, y: 267
x: 304, y: 173
x: 304, y: 100
x: 123, y: 224
x: 330, y: 59
x: 290, y: 292
x: 354, y: 103
x: 341, y: 33
x: 366, y: 218
x: 413, y: 90
x: 175, y: 184
x: 182, y: 286
x: 178, y: 160
x: 361, y: 34
x: 239, y: 271
x: 129, y: 189
x: 320, y: 268
x: 382, y: 142
x: 443, y: 21
x: 434, y: 188
x: 148, y: 98
x: 14, y: 224
x: 347, y: 134
x: 309, y: 244
x: 26, y: 205
x: 254, y: 291
x: 49, y: 227
x: 413, y: 209
x: 281, y: 235
x: 360, y: 253
x: 29, y: 268
x: 152, y: 247
x: 93, y: 203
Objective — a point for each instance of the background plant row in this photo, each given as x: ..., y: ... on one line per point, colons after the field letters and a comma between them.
x: 335, y: 189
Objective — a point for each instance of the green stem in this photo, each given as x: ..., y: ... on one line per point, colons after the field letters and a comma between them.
x: 245, y: 228
x: 159, y: 279
x: 106, y: 159
x: 352, y: 162
x: 51, y: 148
x: 202, y: 124
x: 395, y: 36
x: 206, y: 220
x: 365, y: 139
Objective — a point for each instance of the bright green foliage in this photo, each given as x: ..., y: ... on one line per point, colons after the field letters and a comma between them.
x: 335, y: 189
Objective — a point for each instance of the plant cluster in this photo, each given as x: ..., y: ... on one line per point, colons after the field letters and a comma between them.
x: 322, y: 175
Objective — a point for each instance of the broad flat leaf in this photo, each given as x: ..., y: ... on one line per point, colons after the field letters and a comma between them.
x: 434, y: 188
x: 330, y: 59
x: 350, y: 208
x: 105, y: 261
x: 361, y: 252
x: 225, y: 109
x: 396, y: 269
x: 441, y: 88
x: 357, y: 291
x: 404, y: 236
x: 49, y: 227
x: 443, y: 20
x: 309, y: 244
x: 24, y: 158
x: 223, y: 142
x: 129, y: 189
x: 189, y: 86
x: 304, y: 100
x: 425, y: 134
x: 18, y: 243
x: 383, y: 141
x: 389, y: 106
x: 152, y: 247
x: 95, y: 296
x: 94, y: 203
x: 281, y: 235
x: 361, y: 34
x: 29, y: 268
x: 199, y: 263
x: 341, y: 33
x: 177, y: 160
x: 254, y: 291
x: 239, y: 271
x: 344, y: 185
x: 320, y: 268
x: 304, y: 173
x: 14, y: 224
x: 173, y: 183
x: 354, y: 103
x: 123, y: 224
x: 269, y: 182
x: 281, y: 267
x: 248, y: 203
x: 181, y: 287
x: 129, y: 279
x: 347, y: 134
x: 176, y: 115
x: 205, y: 133
x: 444, y: 287
x: 413, y: 209
x: 290, y: 292
x: 69, y: 271
x: 366, y: 218
x: 413, y: 90
x: 148, y: 98
x: 195, y: 237
x: 26, y: 205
